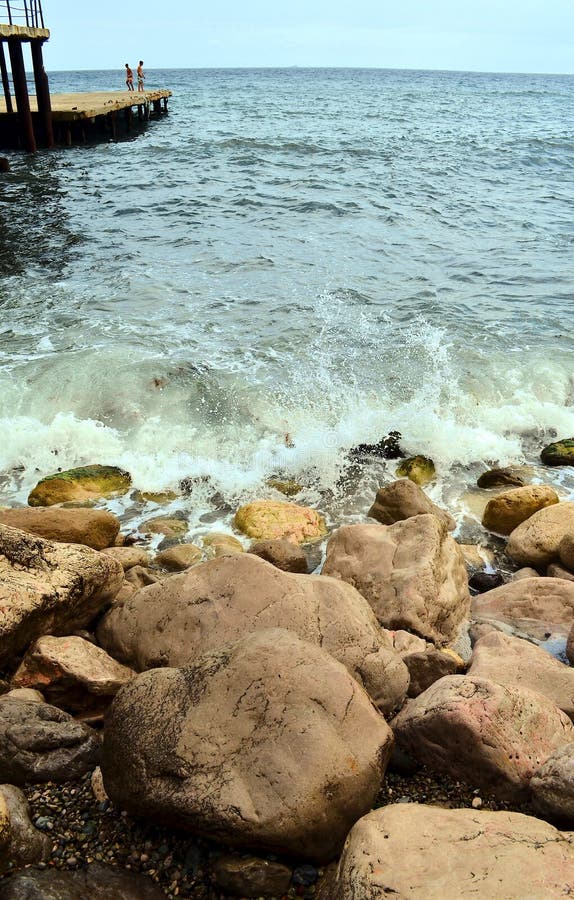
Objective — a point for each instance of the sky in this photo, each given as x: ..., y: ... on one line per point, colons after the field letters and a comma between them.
x: 474, y: 35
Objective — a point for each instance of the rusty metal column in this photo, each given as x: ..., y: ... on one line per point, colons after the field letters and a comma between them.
x: 5, y: 82
x: 21, y: 92
x: 42, y: 94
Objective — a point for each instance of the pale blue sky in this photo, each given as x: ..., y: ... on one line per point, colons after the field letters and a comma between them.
x: 485, y: 35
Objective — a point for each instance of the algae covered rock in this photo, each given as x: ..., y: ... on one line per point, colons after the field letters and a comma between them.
x: 270, y: 520
x: 508, y: 477
x: 83, y: 483
x: 560, y: 453
x: 419, y: 469
x: 287, y: 488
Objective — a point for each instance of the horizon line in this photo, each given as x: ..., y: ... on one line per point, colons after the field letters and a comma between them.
x: 255, y: 68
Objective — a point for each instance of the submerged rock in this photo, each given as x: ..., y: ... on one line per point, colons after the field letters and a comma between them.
x: 269, y: 519
x: 170, y: 526
x: 83, y: 483
x: 560, y: 453
x: 509, y: 477
x: 267, y: 743
x: 287, y: 488
x: 419, y: 469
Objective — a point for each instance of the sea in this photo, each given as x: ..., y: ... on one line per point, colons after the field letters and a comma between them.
x: 289, y: 264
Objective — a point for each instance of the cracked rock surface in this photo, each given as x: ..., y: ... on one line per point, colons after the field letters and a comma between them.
x: 267, y: 743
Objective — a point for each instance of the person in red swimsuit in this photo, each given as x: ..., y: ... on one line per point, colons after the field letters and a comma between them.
x: 129, y: 78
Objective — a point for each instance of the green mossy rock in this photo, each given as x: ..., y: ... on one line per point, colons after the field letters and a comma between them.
x: 160, y: 497
x: 559, y: 454
x: 287, y: 488
x: 419, y: 469
x: 83, y: 483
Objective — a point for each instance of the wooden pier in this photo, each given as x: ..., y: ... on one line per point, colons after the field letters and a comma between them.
x: 81, y: 117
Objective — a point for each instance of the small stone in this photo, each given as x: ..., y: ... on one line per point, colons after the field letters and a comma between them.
x: 476, y: 802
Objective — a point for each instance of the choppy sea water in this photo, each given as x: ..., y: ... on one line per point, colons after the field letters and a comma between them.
x: 291, y: 263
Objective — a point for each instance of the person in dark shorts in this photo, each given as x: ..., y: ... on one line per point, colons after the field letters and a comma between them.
x: 141, y: 77
x: 129, y: 78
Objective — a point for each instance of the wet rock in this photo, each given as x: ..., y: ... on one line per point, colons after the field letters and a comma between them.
x: 216, y: 748
x: 508, y: 477
x: 419, y: 469
x: 536, y: 606
x: 561, y: 453
x: 129, y: 556
x: 476, y: 556
x: 406, y: 850
x: 83, y: 483
x: 49, y: 587
x: 72, y: 673
x: 217, y: 544
x: 518, y: 663
x: 412, y: 573
x: 250, y: 876
x: 481, y: 732
x: 287, y: 488
x: 552, y: 787
x: 485, y: 581
x: 20, y: 843
x: 162, y: 498
x: 96, y: 880
x: 41, y: 743
x: 427, y: 667
x: 94, y: 528
x: 537, y: 541
x: 170, y: 526
x: 283, y: 554
x: 270, y: 520
x: 219, y: 601
x: 404, y: 499
x: 4, y: 165
x: 388, y: 447
x: 178, y: 558
x: 508, y: 510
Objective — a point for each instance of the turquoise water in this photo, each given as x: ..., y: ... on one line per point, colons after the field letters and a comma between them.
x: 320, y: 254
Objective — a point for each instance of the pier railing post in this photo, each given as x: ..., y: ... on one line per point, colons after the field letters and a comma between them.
x: 5, y: 82
x: 42, y: 94
x: 21, y: 92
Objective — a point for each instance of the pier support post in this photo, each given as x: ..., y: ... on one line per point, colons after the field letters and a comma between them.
x: 22, y: 98
x: 5, y: 82
x: 42, y: 94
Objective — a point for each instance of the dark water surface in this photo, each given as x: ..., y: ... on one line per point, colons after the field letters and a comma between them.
x: 325, y: 253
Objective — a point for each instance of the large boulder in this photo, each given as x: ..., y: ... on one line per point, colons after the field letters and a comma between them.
x: 20, y: 843
x: 270, y: 520
x: 561, y: 453
x: 72, y: 673
x: 552, y: 787
x: 41, y: 743
x: 284, y: 554
x: 537, y: 541
x: 508, y: 510
x: 412, y: 573
x: 49, y: 588
x: 268, y: 742
x: 83, y: 483
x: 96, y: 880
x: 484, y: 733
x: 515, y: 662
x: 170, y: 623
x: 94, y: 528
x: 403, y: 499
x: 408, y: 850
x: 536, y: 606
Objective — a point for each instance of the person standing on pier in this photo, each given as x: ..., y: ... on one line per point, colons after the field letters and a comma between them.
x: 141, y: 77
x: 129, y: 78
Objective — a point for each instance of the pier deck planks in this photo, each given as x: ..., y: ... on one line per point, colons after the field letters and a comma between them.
x: 74, y: 107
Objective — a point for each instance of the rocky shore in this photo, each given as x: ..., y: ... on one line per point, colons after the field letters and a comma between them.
x: 210, y: 720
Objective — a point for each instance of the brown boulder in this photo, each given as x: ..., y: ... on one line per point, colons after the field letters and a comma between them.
x: 72, y: 673
x: 526, y: 572
x: 94, y: 881
x: 403, y: 499
x: 537, y: 606
x: 427, y: 667
x: 139, y: 577
x: 508, y: 510
x: 509, y: 477
x: 169, y: 526
x: 178, y: 558
x: 537, y: 541
x: 47, y: 587
x: 170, y: 623
x: 94, y: 528
x: 412, y: 573
x: 249, y: 876
x: 555, y: 570
x: 421, y: 852
x: 129, y: 556
x: 283, y: 554
x: 220, y: 544
x: 20, y: 843
x: 518, y: 663
x: 479, y: 731
x: 552, y: 787
x: 217, y: 748
x: 270, y: 520
x: 40, y: 743
x: 566, y: 551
